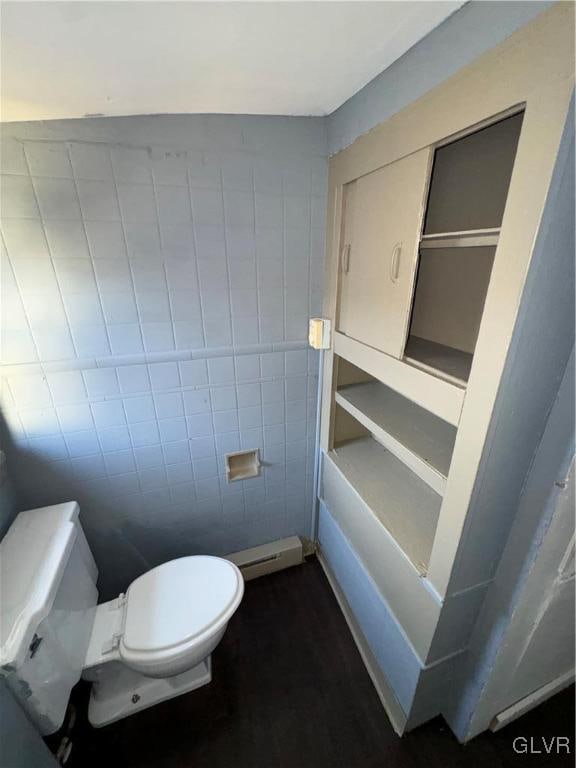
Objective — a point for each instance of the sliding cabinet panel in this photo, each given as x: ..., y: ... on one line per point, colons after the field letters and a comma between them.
x: 381, y: 227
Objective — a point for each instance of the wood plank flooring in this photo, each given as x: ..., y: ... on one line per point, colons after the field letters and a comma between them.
x: 289, y: 690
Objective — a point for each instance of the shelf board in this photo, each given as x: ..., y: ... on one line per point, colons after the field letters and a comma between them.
x: 438, y: 359
x: 400, y: 500
x: 419, y: 439
x: 441, y: 397
x: 472, y: 238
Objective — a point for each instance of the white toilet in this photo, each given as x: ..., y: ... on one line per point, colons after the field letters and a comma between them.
x: 144, y: 647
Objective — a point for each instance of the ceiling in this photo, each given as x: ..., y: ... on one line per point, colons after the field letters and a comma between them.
x: 76, y: 59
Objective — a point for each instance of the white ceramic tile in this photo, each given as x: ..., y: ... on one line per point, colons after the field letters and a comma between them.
x: 245, y: 331
x: 239, y: 209
x: 169, y: 167
x: 119, y: 307
x: 180, y: 473
x: 38, y: 422
x: 12, y: 159
x: 75, y: 275
x: 247, y: 367
x: 225, y: 421
x: 45, y: 313
x: 221, y: 370
x: 106, y: 239
x: 178, y: 241
x: 119, y: 462
x: 202, y: 447
x: 82, y: 443
x: 173, y: 204
x: 66, y: 387
x: 248, y: 394
x: 274, y: 434
x: 227, y: 442
x: 223, y: 398
x: 48, y: 159
x: 168, y: 405
x: 244, y: 303
x: 49, y: 448
x: 188, y: 334
x: 273, y: 413
x: 295, y: 411
x: 25, y: 239
x: 131, y: 164
x: 114, y: 439
x: 89, y: 467
x: 153, y: 306
x: 144, y: 433
x: 207, y: 207
x: 17, y: 199
x: 185, y: 305
x: 35, y: 276
x: 57, y: 198
x: 158, y: 337
x: 205, y: 468
x: 199, y: 424
x: 91, y: 161
x: 143, y: 240
x: 75, y: 418
x: 217, y: 332
x: 125, y: 339
x: 296, y: 388
x: 53, y: 343
x: 296, y: 431
x: 172, y: 430
x: 269, y: 244
x: 153, y: 478
x: 133, y: 378
x: 91, y: 341
x: 83, y: 309
x: 113, y: 275
x: 109, y: 413
x: 101, y: 382
x: 197, y: 401
x: 149, y: 456
x: 148, y: 276
x: 272, y: 391
x: 137, y: 202
x: 139, y: 409
x: 124, y: 484
x: 250, y: 417
x: 193, y: 373
x: 207, y: 489
x: 210, y: 242
x: 176, y: 453
x: 183, y: 494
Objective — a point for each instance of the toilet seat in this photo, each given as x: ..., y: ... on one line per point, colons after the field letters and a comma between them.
x: 176, y: 607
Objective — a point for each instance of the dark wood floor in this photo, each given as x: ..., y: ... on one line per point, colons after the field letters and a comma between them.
x: 289, y: 690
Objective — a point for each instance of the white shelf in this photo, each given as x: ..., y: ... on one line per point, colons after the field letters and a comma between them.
x: 453, y: 364
x: 441, y: 397
x: 472, y: 238
x: 406, y: 506
x: 419, y: 439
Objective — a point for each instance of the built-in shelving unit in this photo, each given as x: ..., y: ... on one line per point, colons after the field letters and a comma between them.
x: 405, y: 505
x: 418, y: 438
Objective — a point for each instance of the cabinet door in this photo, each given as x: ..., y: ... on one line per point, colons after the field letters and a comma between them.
x: 381, y: 229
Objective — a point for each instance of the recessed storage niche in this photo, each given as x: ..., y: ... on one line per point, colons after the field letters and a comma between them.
x: 468, y: 189
x: 401, y: 501
x: 417, y: 437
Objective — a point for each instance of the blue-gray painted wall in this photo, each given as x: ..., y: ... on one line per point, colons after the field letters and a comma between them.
x: 463, y: 37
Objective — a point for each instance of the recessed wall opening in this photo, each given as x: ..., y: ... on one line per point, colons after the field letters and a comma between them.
x: 466, y: 200
x: 242, y: 465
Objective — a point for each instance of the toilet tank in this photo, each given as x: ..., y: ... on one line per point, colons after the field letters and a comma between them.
x: 48, y: 600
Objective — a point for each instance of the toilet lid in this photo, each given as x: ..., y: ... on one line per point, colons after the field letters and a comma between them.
x: 177, y: 601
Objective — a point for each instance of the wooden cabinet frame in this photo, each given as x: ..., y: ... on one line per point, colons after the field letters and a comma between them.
x: 530, y: 71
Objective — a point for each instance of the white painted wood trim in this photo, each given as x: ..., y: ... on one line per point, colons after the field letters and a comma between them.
x: 385, y: 693
x: 438, y: 396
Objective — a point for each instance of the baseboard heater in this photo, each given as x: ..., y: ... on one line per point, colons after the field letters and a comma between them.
x: 268, y: 558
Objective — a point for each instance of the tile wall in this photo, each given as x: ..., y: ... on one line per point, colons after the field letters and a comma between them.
x: 157, y: 279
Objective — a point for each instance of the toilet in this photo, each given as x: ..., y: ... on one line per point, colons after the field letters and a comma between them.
x: 150, y: 644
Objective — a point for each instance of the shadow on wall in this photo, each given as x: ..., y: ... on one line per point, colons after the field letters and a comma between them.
x: 123, y: 547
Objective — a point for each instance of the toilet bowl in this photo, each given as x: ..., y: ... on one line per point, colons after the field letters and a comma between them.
x: 147, y: 645
x: 162, y: 630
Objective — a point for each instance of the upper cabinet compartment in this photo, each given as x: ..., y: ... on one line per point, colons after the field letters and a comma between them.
x: 470, y: 180
x: 468, y: 190
x: 381, y: 223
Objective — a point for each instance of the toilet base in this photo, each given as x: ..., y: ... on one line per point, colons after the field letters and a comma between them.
x: 120, y: 691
